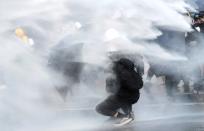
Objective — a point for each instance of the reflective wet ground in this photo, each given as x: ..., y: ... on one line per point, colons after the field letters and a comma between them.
x: 193, y: 123
x: 168, y: 117
x: 189, y: 123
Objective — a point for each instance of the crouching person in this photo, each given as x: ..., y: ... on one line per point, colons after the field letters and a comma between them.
x: 124, y: 90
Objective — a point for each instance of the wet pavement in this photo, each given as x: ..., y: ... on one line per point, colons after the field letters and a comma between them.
x: 157, y: 116
x: 190, y: 123
x: 174, y: 117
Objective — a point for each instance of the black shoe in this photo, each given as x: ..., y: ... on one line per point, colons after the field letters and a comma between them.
x: 131, y: 115
x: 125, y: 120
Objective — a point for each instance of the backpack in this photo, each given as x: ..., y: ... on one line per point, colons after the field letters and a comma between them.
x: 127, y: 76
x: 138, y: 80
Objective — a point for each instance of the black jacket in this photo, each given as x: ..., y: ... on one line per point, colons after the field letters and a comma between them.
x: 128, y: 81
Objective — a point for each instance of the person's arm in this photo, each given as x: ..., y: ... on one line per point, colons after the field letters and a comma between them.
x: 111, y: 85
x: 131, y: 80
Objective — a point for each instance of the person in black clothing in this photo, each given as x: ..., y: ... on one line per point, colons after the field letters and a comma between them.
x: 124, y: 88
x: 194, y: 50
x: 64, y: 59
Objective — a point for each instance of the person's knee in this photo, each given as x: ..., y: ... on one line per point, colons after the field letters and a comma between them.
x: 97, y: 108
x: 100, y: 109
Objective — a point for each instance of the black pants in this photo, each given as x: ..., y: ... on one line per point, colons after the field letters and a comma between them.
x: 111, y: 105
x: 171, y: 83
